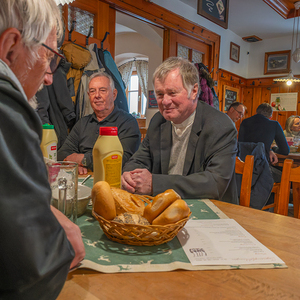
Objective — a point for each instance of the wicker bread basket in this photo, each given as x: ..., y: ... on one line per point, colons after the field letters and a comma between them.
x: 139, y: 235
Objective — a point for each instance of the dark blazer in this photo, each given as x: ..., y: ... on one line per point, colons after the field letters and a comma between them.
x: 210, y: 156
x: 258, y: 128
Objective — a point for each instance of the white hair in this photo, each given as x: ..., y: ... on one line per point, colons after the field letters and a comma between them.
x: 35, y: 19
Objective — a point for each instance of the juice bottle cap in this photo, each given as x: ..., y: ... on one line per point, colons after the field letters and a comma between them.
x: 108, y: 131
x: 48, y: 126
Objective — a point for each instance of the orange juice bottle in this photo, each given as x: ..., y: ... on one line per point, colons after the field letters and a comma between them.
x: 107, y: 157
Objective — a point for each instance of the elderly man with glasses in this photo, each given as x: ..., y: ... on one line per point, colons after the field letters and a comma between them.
x: 236, y: 111
x: 38, y: 244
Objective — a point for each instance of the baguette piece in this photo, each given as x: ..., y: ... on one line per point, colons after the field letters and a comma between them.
x: 174, y: 213
x: 127, y: 202
x: 104, y: 203
x: 159, y: 204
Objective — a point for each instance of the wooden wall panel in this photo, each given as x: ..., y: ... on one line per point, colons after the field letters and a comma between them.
x: 256, y: 91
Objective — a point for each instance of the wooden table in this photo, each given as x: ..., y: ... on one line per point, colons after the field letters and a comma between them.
x: 294, y: 156
x: 279, y: 233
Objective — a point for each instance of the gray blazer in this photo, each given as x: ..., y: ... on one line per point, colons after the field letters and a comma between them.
x: 210, y: 158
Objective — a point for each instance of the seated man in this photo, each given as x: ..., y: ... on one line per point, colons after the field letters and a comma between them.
x: 236, y: 111
x: 38, y: 244
x: 78, y: 146
x: 189, y: 147
x: 259, y: 128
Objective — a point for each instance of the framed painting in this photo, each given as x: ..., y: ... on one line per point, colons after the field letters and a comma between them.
x: 234, y: 52
x: 215, y: 11
x: 277, y: 62
x: 152, y: 103
x: 230, y: 95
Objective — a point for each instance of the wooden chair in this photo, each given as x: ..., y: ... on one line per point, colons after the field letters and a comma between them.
x: 289, y: 175
x: 143, y: 131
x: 246, y: 169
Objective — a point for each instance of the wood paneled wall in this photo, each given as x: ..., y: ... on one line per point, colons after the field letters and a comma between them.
x: 255, y: 91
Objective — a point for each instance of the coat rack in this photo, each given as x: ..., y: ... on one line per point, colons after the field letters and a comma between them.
x: 71, y: 30
x: 89, y: 34
x: 105, y: 36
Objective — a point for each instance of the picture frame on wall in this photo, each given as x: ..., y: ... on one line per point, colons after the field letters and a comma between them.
x: 277, y: 62
x: 230, y: 95
x: 234, y: 52
x: 152, y: 103
x: 214, y: 10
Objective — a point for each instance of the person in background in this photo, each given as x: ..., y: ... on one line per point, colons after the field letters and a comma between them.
x: 39, y: 244
x: 78, y: 146
x: 236, y: 111
x: 292, y: 127
x: 259, y: 128
x: 189, y: 147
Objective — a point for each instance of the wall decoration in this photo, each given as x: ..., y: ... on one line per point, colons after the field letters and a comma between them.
x: 215, y: 11
x: 152, y: 103
x: 284, y: 101
x: 277, y: 62
x: 230, y: 95
x: 234, y: 52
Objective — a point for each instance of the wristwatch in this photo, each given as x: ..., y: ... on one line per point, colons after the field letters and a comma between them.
x: 83, y: 161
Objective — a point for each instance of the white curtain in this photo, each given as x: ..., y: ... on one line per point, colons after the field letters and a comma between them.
x: 126, y: 70
x: 142, y: 72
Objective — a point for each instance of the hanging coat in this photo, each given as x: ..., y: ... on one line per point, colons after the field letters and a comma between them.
x: 79, y: 57
x: 105, y: 59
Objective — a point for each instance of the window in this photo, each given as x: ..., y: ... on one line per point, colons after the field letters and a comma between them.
x: 136, y: 99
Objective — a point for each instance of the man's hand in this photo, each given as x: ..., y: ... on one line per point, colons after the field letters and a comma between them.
x: 75, y: 157
x: 82, y: 170
x: 273, y: 158
x: 73, y: 234
x: 127, y: 182
x: 143, y: 181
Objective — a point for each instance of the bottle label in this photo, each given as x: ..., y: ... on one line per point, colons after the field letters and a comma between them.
x: 52, y: 151
x: 112, y: 170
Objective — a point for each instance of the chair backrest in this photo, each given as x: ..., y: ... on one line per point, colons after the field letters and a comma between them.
x: 143, y: 131
x: 289, y: 175
x: 246, y: 169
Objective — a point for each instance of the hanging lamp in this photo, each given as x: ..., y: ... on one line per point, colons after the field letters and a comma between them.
x: 295, y: 53
x: 63, y: 2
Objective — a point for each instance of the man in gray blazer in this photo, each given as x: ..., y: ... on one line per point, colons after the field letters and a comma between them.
x: 189, y: 147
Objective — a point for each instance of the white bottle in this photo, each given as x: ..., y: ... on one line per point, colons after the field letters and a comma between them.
x: 49, y: 142
x: 107, y: 157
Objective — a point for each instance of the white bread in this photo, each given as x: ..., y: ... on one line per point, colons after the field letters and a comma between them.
x: 177, y: 211
x: 159, y: 204
x: 104, y: 203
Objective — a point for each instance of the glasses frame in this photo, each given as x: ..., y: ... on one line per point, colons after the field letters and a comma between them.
x: 240, y: 113
x: 56, y: 53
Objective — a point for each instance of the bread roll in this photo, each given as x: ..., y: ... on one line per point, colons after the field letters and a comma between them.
x: 129, y: 218
x: 104, y: 203
x: 126, y: 202
x: 159, y: 204
x: 172, y: 214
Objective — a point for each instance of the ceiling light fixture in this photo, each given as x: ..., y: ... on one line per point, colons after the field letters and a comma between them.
x: 295, y: 53
x: 63, y: 2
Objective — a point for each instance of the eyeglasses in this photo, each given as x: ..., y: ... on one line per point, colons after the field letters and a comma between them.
x: 239, y: 112
x: 54, y: 63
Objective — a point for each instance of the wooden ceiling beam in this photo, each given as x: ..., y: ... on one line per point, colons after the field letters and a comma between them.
x: 283, y: 7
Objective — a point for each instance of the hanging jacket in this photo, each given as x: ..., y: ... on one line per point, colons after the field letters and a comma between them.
x: 83, y: 106
x: 262, y: 180
x: 105, y: 59
x: 79, y: 57
x: 55, y: 105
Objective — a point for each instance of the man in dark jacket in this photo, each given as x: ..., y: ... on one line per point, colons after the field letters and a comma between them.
x: 38, y: 244
x: 189, y: 147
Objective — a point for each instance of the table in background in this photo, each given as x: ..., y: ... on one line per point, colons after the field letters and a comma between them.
x: 279, y: 233
x: 295, y: 156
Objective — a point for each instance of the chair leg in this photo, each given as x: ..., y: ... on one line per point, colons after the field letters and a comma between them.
x: 296, y: 199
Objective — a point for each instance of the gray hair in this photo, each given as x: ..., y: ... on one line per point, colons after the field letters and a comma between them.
x: 35, y: 19
x: 236, y: 105
x: 103, y: 74
x: 289, y: 123
x: 265, y: 109
x: 188, y: 72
